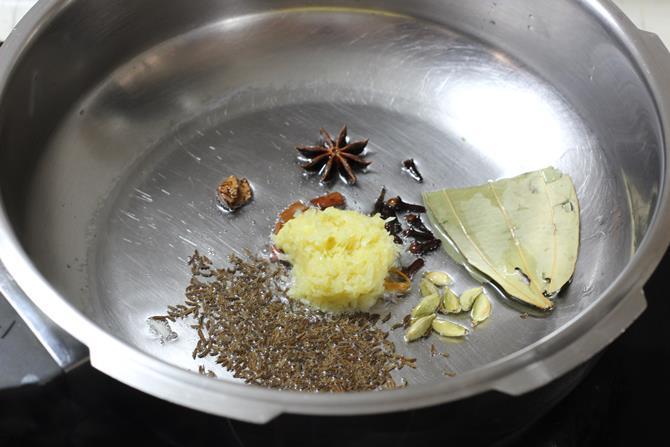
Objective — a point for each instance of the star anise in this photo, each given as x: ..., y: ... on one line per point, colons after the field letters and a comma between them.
x: 333, y: 156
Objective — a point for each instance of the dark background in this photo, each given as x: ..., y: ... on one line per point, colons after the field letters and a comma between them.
x: 621, y: 401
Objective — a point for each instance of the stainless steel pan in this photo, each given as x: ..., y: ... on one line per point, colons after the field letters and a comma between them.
x: 118, y: 118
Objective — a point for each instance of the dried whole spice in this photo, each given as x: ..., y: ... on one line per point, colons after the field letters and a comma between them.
x: 496, y: 236
x: 333, y: 156
x: 398, y: 282
x: 397, y: 326
x: 394, y: 205
x: 414, y: 267
x: 205, y: 372
x: 481, y: 310
x: 243, y: 321
x: 424, y: 240
x: 333, y: 199
x: 428, y: 288
x: 419, y: 328
x: 469, y: 296
x: 418, y: 235
x: 233, y: 193
x: 394, y: 229
x: 450, y: 302
x: 329, y: 200
x: 397, y: 204
x: 427, y: 306
x: 422, y: 248
x: 440, y: 279
x: 410, y: 167
x: 415, y: 223
x: 446, y: 328
x: 379, y: 203
x: 288, y: 214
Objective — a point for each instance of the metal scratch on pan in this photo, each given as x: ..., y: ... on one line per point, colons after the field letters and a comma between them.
x: 9, y: 328
x: 186, y: 240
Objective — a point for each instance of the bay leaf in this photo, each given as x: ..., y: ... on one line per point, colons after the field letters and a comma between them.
x: 522, y: 232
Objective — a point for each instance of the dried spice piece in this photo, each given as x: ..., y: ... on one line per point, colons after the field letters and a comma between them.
x: 450, y: 303
x: 393, y: 206
x: 234, y: 193
x: 397, y: 205
x: 411, y: 362
x: 427, y: 288
x: 410, y: 167
x: 468, y: 298
x: 245, y: 323
x: 524, y: 316
x: 423, y: 248
x: 440, y: 279
x: 419, y: 328
x: 433, y: 351
x: 329, y: 200
x: 418, y: 235
x: 417, y: 224
x: 288, y: 214
x: 448, y: 329
x: 424, y: 240
x: 398, y: 282
x: 379, y: 203
x: 427, y: 306
x: 334, y: 156
x: 414, y: 267
x: 394, y: 229
x: 205, y: 372
x: 481, y: 310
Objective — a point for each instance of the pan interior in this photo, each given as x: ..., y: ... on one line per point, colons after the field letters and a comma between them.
x: 127, y: 181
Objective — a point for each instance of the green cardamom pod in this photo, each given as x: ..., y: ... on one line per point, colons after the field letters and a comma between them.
x: 448, y: 329
x: 481, y: 310
x: 427, y: 288
x: 419, y: 328
x: 450, y: 303
x: 440, y: 279
x: 468, y: 298
x: 427, y: 306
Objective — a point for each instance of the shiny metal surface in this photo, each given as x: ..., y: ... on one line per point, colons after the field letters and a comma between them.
x: 23, y: 359
x: 63, y: 350
x: 112, y: 188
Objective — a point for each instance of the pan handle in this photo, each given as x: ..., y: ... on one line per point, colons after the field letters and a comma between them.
x: 33, y: 349
x: 542, y: 372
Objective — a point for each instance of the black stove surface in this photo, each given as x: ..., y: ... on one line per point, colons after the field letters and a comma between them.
x: 620, y: 402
